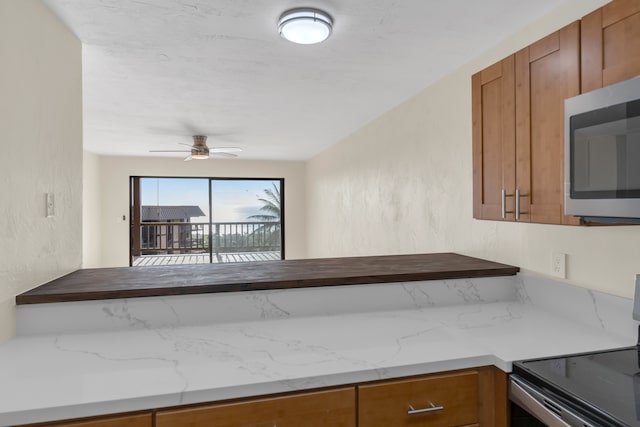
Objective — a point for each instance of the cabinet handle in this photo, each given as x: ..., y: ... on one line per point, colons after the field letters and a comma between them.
x: 433, y: 408
x: 504, y: 203
x: 518, y: 195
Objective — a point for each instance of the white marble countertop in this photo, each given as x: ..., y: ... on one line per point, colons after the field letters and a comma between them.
x: 143, y: 360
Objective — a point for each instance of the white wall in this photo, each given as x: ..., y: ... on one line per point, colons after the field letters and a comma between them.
x: 91, y: 211
x: 41, y: 137
x: 403, y: 184
x: 113, y: 233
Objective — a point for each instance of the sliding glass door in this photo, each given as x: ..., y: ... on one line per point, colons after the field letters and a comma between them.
x: 202, y: 220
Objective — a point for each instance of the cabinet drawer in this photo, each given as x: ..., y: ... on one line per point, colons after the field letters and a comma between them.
x: 144, y: 420
x: 333, y: 408
x: 452, y: 398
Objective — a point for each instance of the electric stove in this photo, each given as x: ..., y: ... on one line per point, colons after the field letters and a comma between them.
x: 592, y: 389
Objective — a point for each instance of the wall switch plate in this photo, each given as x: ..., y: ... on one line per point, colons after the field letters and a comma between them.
x: 559, y: 265
x: 51, y: 205
x: 636, y: 300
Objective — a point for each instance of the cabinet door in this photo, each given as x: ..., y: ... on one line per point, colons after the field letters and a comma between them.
x: 610, y: 48
x: 334, y: 408
x: 144, y: 420
x: 547, y: 72
x: 439, y: 400
x: 493, y: 112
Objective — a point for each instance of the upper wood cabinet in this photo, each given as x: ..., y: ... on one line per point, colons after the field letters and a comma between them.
x: 333, y: 408
x: 547, y: 72
x: 610, y: 39
x: 518, y: 130
x: 518, y: 112
x: 493, y: 105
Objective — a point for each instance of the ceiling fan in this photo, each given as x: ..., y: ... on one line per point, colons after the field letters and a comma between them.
x: 200, y: 151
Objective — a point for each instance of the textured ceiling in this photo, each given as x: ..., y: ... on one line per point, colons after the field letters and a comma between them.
x: 158, y: 71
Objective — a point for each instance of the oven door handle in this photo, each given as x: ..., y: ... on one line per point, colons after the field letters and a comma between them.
x: 527, y: 401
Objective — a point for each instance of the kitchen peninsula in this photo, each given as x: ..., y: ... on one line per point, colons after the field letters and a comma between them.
x: 153, y: 358
x: 130, y: 282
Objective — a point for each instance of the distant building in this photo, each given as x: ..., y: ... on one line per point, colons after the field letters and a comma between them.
x: 170, y: 213
x: 158, y: 233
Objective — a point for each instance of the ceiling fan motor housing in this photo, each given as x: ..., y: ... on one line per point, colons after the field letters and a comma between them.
x: 200, y: 149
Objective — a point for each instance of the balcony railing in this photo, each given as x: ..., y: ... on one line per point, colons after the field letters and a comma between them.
x: 226, y: 237
x: 174, y: 236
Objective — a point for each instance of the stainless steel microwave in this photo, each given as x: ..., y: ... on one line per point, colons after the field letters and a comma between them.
x: 602, y: 153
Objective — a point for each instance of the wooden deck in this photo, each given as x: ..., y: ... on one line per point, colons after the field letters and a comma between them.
x: 150, y: 260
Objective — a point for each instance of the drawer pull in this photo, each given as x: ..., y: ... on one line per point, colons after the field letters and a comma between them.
x: 433, y: 408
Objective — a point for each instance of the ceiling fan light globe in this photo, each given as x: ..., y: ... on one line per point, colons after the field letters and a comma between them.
x: 200, y: 156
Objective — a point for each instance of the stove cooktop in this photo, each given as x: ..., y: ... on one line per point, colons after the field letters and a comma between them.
x: 605, y: 383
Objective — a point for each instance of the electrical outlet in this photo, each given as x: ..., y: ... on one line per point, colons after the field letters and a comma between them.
x: 559, y: 265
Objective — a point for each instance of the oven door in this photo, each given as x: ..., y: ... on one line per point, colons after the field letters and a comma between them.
x: 534, y: 402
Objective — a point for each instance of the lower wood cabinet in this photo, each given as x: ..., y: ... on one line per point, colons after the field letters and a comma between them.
x: 475, y: 397
x: 143, y: 420
x: 333, y: 408
x: 469, y: 397
x: 443, y: 400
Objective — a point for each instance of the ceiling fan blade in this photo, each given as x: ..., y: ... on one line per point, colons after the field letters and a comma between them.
x: 225, y: 150
x: 169, y: 151
x: 223, y: 154
x: 188, y: 158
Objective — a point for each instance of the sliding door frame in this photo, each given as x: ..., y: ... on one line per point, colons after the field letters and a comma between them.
x: 136, y: 203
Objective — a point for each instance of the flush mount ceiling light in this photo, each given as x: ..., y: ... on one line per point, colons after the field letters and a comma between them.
x: 305, y: 25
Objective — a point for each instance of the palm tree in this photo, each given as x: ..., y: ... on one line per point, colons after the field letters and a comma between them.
x: 270, y: 205
x: 268, y: 234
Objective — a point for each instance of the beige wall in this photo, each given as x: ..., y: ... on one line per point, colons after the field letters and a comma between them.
x: 41, y: 137
x: 113, y: 233
x: 403, y: 184
x: 91, y: 211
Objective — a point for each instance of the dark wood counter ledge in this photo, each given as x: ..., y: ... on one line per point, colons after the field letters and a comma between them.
x: 133, y: 282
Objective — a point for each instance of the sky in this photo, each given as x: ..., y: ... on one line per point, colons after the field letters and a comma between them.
x: 233, y: 200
